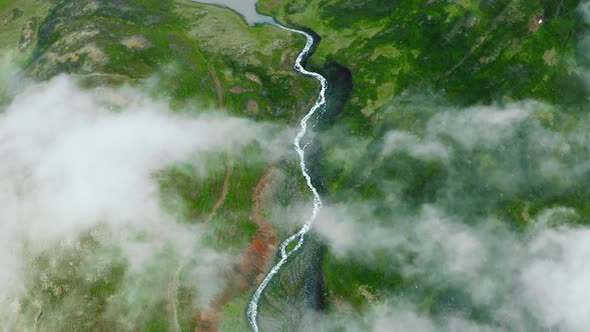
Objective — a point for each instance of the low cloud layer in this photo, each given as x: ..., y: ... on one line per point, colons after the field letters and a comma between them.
x: 75, y: 160
x: 541, y: 274
x: 455, y: 236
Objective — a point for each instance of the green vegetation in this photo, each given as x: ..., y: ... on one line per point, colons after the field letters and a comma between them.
x: 196, y: 57
x: 61, y: 277
x: 416, y: 66
x: 233, y: 315
x: 420, y: 71
x: 180, y: 45
x: 470, y: 51
x: 89, y: 287
x: 509, y: 176
x: 253, y: 64
x: 221, y: 196
x: 13, y: 15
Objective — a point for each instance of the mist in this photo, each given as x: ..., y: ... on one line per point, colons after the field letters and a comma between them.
x: 79, y: 163
x: 498, y: 222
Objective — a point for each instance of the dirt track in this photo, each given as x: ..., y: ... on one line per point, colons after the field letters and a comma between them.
x: 254, y: 260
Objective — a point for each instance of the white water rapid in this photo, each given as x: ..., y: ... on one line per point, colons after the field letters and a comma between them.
x: 317, y: 201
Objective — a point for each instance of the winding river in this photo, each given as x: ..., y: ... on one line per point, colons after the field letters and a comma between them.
x: 247, y: 8
x: 320, y: 102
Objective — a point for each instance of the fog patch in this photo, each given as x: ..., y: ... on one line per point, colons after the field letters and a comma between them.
x: 425, y: 150
x: 390, y: 317
x: 541, y: 273
x: 486, y: 164
x: 77, y: 161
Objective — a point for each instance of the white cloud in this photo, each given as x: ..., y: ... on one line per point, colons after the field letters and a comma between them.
x: 70, y: 163
x: 584, y: 10
x: 543, y: 273
x: 479, y: 126
x: 555, y: 281
x: 490, y: 155
x: 492, y: 159
x: 415, y: 146
x: 390, y: 317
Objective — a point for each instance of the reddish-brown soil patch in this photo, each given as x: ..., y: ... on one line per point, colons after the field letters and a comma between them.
x: 537, y: 22
x: 254, y: 260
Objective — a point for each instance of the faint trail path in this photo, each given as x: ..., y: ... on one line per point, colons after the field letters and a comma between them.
x: 172, y: 306
x: 218, y: 87
x: 254, y: 260
x: 320, y: 103
x: 223, y: 194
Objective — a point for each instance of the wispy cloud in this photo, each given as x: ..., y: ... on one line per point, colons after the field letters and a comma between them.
x: 457, y: 239
x: 74, y: 160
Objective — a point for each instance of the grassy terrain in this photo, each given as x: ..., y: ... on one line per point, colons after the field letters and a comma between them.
x: 197, y: 54
x: 233, y: 315
x: 183, y: 46
x: 411, y: 60
x: 469, y: 51
x: 10, y: 31
x: 252, y: 64
x: 411, y: 63
x: 90, y: 287
x: 504, y: 181
x: 197, y: 57
x: 192, y: 197
x: 13, y: 15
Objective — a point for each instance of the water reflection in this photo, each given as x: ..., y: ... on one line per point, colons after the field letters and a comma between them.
x: 246, y: 8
